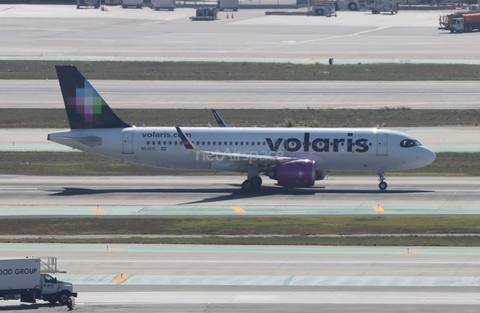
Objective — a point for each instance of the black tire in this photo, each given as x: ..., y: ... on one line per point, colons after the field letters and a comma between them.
x: 383, y: 185
x: 62, y: 298
x: 247, y: 185
x: 319, y: 12
x: 256, y: 181
x: 352, y: 6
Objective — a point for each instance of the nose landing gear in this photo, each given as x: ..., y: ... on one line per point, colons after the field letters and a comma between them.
x: 382, y: 185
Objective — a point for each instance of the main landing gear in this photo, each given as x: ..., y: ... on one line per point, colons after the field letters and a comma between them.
x: 252, y: 183
x: 383, y: 185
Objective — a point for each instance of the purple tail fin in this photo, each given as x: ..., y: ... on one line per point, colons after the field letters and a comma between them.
x: 85, y: 107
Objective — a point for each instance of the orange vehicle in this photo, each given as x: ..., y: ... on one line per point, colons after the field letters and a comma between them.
x: 460, y: 22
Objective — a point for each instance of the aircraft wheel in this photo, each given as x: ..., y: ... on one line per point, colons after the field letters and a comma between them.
x: 248, y: 185
x: 383, y: 185
x: 257, y: 181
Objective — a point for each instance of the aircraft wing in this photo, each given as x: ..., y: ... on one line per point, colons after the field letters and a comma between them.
x: 260, y: 161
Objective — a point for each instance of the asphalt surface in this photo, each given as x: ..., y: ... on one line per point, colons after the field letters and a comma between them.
x: 184, y: 278
x: 28, y: 32
x: 222, y: 196
x: 437, y: 95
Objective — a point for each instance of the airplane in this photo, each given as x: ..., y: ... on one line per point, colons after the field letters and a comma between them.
x: 294, y: 157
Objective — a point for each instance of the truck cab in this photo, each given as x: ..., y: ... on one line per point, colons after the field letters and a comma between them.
x: 53, y: 290
x: 457, y: 25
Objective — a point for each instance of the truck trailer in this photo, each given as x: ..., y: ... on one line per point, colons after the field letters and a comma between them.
x: 228, y: 5
x: 163, y: 5
x: 25, y: 279
x: 132, y: 3
x: 323, y: 8
x: 460, y: 22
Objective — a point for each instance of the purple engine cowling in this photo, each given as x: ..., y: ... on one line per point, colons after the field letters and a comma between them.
x: 320, y: 175
x: 296, y: 173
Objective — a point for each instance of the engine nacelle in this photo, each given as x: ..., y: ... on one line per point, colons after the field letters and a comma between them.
x: 296, y: 173
x: 320, y: 175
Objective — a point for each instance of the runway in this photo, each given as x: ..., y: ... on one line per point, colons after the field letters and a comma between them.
x: 184, y: 278
x: 427, y: 95
x: 222, y: 196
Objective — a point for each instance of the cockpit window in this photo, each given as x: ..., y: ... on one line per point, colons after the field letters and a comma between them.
x: 407, y: 143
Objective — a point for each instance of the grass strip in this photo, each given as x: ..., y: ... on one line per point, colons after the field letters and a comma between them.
x: 87, y: 164
x: 412, y: 241
x: 386, y: 117
x: 241, y: 71
x: 244, y: 226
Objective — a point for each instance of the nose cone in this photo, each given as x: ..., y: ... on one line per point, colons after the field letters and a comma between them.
x: 428, y: 156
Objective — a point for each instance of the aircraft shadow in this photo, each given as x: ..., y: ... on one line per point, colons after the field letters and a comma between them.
x: 229, y: 193
x: 33, y: 306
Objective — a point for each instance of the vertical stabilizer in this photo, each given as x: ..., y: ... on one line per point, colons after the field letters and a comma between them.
x: 85, y: 107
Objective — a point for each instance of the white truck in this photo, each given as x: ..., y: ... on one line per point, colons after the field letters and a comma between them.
x: 25, y: 279
x: 228, y: 5
x: 132, y: 3
x: 163, y: 5
x: 323, y: 8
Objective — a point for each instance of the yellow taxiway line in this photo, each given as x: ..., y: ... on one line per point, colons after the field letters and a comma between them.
x: 120, y: 278
x: 238, y: 209
x: 98, y: 209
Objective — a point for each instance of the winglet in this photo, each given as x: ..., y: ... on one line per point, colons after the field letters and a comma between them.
x: 186, y: 142
x: 220, y: 121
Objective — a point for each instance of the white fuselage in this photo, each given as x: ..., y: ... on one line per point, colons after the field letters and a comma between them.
x: 357, y: 149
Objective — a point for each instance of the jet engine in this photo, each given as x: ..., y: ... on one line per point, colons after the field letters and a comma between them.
x: 295, y: 173
x: 320, y: 175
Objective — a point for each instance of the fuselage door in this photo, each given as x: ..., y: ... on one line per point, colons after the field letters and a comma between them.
x: 382, y: 144
x: 127, y: 143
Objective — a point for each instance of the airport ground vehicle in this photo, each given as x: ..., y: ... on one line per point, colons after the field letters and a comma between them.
x: 163, y: 5
x: 228, y: 5
x: 323, y: 7
x: 380, y: 6
x: 27, y: 279
x: 132, y: 3
x: 205, y: 14
x: 88, y: 3
x: 460, y: 22
x: 352, y: 5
